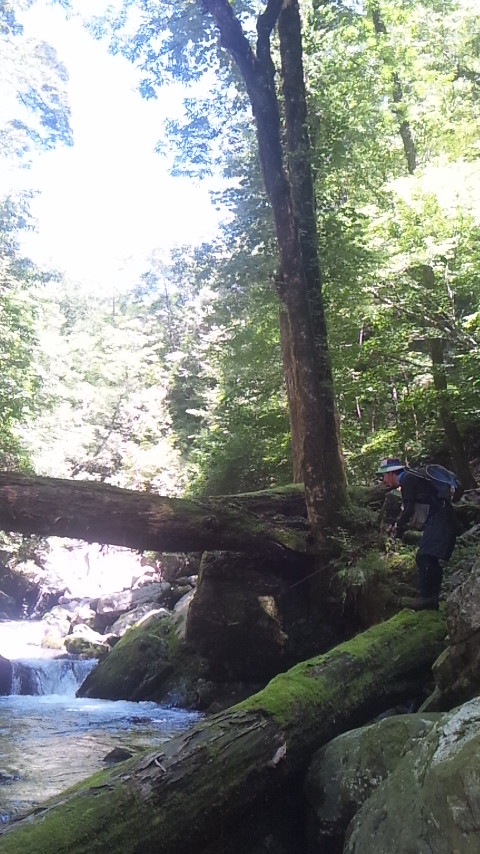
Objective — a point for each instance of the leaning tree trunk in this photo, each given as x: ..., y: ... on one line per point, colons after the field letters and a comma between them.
x: 194, y: 790
x: 97, y: 512
x: 308, y: 376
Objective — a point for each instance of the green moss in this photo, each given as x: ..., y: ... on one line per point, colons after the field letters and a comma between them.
x: 66, y: 827
x: 305, y: 684
x: 271, y: 493
x: 141, y: 655
x: 82, y: 646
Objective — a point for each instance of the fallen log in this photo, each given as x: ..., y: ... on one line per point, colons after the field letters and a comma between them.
x: 98, y: 512
x: 197, y: 787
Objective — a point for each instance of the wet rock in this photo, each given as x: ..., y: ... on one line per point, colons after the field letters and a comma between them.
x: 8, y: 607
x: 57, y: 627
x: 85, y: 642
x: 8, y: 777
x: 136, y: 667
x: 118, y: 754
x: 5, y: 676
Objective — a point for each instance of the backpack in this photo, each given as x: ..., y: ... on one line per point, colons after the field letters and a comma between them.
x: 446, y: 483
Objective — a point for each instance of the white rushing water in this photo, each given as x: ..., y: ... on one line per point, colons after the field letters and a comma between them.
x: 51, y: 739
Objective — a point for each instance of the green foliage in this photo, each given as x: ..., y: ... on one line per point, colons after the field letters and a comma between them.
x: 22, y: 382
x: 36, y: 113
x: 178, y: 384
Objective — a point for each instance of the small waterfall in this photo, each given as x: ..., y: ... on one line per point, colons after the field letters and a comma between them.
x: 49, y: 676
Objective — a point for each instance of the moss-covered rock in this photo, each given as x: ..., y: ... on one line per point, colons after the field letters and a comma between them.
x: 137, y: 665
x: 430, y: 801
x: 345, y: 772
x: 77, y: 645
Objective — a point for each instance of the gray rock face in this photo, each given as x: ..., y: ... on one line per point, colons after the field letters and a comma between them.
x: 111, y: 606
x: 5, y: 676
x: 346, y: 772
x: 406, y: 785
x: 430, y: 802
x: 457, y: 670
x: 235, y: 619
x: 463, y: 608
x: 131, y: 618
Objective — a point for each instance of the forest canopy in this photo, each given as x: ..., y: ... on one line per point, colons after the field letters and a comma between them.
x: 176, y: 383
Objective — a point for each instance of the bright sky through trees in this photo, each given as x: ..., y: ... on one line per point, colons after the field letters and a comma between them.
x: 106, y: 203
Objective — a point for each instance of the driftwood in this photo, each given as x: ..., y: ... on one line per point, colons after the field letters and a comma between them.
x: 98, y: 512
x: 192, y: 793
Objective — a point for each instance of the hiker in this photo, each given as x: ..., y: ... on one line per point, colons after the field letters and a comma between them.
x: 421, y: 503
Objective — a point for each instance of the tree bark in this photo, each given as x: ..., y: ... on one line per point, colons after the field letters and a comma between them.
x: 97, y: 512
x: 399, y: 108
x: 308, y: 377
x: 456, y: 447
x: 304, y: 204
x: 192, y: 792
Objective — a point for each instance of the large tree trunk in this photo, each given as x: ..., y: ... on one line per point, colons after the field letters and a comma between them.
x: 193, y: 791
x: 304, y: 345
x: 304, y: 204
x: 97, y: 512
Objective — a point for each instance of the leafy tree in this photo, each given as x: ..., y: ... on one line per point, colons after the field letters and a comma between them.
x: 298, y: 281
x: 35, y: 111
x: 20, y: 389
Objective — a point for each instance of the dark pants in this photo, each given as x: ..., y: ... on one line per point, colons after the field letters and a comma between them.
x: 430, y: 574
x: 437, y: 543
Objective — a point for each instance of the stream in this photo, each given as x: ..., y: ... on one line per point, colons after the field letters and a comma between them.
x: 50, y: 739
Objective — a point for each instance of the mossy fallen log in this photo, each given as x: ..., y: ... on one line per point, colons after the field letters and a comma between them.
x: 194, y: 790
x: 98, y: 512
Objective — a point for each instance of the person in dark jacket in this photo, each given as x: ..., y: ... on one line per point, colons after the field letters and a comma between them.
x: 420, y: 499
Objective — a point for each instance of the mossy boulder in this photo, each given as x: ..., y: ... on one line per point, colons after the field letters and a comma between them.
x: 77, y: 645
x: 430, y: 800
x: 137, y: 665
x: 345, y: 772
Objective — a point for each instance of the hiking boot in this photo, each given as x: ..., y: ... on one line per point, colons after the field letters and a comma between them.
x: 425, y: 603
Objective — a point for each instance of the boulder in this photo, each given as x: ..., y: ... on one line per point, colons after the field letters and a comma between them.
x: 5, y: 676
x: 174, y: 565
x: 130, y: 618
x: 463, y: 608
x: 346, y: 772
x: 57, y: 627
x: 113, y: 605
x: 78, y: 645
x: 457, y: 670
x: 430, y: 800
x: 136, y: 667
x: 86, y: 642
x: 241, y: 619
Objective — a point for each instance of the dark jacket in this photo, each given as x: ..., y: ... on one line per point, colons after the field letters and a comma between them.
x: 440, y: 531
